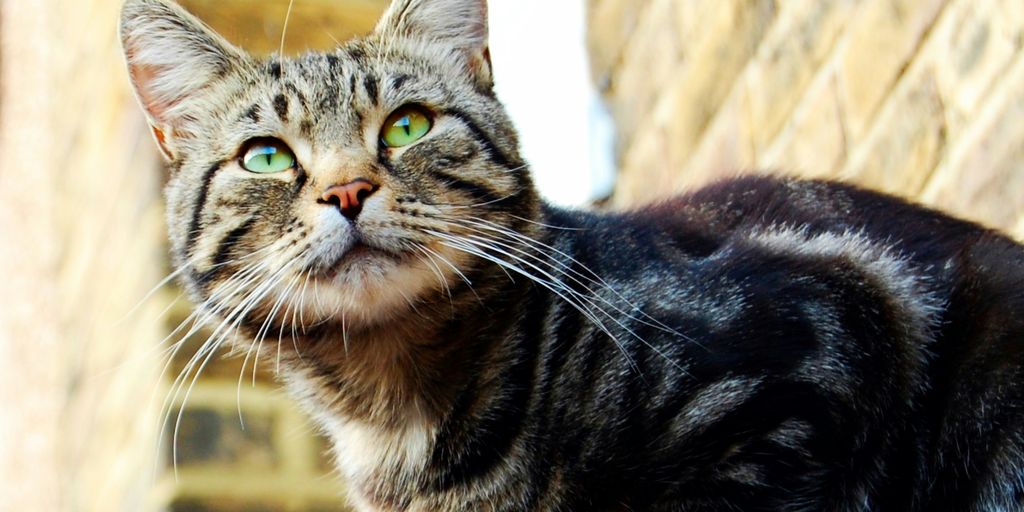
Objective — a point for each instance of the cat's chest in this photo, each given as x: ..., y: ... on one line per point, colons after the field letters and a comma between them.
x: 365, y: 450
x: 362, y: 451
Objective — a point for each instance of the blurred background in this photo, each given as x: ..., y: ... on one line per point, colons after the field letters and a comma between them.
x: 621, y: 102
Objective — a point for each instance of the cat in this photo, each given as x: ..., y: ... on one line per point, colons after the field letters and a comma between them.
x: 761, y: 344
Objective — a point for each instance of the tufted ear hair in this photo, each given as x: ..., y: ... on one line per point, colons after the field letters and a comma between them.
x: 172, y: 56
x: 459, y: 25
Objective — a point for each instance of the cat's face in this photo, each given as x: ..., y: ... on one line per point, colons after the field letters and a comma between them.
x: 328, y: 183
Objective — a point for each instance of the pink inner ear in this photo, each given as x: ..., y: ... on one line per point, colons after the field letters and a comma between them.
x: 143, y: 76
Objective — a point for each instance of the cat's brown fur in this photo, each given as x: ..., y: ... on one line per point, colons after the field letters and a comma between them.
x: 758, y: 345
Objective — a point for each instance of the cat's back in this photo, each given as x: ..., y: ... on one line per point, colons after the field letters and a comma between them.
x: 906, y: 325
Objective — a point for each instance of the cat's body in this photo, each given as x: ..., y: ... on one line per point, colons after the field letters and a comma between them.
x: 761, y: 344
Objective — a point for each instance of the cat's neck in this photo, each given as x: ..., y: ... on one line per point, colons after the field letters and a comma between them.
x: 384, y: 398
x: 410, y: 366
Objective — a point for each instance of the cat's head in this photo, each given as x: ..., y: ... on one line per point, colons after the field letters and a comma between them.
x: 342, y: 174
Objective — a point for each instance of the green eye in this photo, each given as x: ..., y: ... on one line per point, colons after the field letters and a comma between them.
x: 268, y: 156
x: 405, y: 126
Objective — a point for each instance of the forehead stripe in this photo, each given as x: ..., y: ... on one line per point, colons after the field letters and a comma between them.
x: 281, y: 107
x: 297, y: 93
x: 372, y: 89
x: 398, y: 81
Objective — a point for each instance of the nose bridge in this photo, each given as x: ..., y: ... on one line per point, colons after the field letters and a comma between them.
x: 346, y: 164
x: 345, y: 177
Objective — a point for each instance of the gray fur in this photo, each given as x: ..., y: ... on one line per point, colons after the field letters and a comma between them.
x: 762, y: 344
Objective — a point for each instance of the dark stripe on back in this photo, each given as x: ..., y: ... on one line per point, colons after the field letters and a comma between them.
x: 197, y: 208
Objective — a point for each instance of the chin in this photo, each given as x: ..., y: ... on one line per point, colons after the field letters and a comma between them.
x: 366, y: 286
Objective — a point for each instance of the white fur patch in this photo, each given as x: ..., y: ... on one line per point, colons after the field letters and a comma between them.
x: 362, y: 449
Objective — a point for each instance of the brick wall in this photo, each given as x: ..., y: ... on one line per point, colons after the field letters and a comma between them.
x: 242, y: 445
x: 922, y: 98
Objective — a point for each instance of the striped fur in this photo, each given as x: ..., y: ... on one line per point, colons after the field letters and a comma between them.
x: 761, y: 344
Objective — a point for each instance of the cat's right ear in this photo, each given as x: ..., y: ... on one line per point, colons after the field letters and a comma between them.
x: 172, y: 56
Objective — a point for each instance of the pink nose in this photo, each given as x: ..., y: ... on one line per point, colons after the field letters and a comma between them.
x: 349, y: 198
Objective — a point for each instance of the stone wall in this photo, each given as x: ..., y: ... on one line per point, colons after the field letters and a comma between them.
x: 921, y: 98
x: 80, y: 247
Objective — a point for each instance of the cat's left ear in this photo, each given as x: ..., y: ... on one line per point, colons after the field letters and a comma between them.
x: 459, y: 25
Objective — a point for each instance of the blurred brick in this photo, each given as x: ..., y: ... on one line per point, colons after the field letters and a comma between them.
x: 647, y: 170
x: 726, y: 149
x: 323, y: 22
x: 209, y: 436
x: 787, y: 60
x: 881, y: 39
x: 906, y: 143
x: 328, y: 507
x: 610, y: 24
x: 1018, y: 231
x: 322, y: 454
x: 973, y: 47
x: 983, y: 178
x: 649, y: 60
x: 724, y: 36
x: 220, y: 505
x: 814, y: 141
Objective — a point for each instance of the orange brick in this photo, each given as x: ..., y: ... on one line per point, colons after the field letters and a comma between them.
x: 880, y: 40
x: 713, y: 58
x: 984, y: 175
x: 788, y: 59
x: 813, y: 144
x: 609, y: 26
x: 906, y: 142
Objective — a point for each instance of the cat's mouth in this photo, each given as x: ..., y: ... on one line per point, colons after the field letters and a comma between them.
x: 359, y: 256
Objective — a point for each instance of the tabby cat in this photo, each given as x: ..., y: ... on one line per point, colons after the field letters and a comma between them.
x: 761, y: 344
